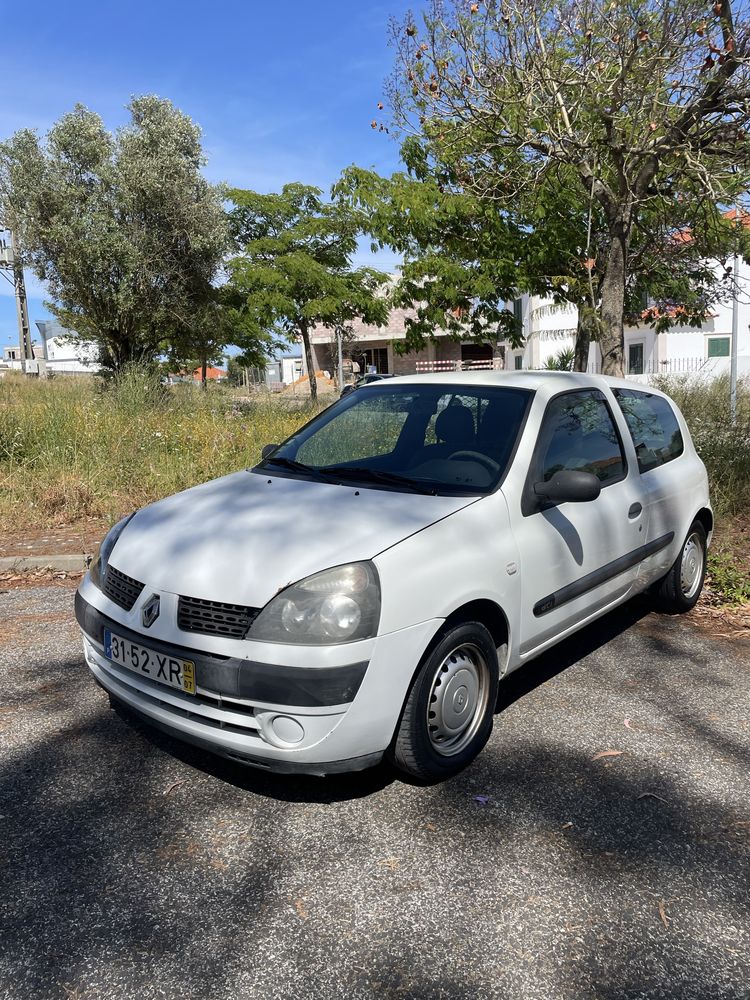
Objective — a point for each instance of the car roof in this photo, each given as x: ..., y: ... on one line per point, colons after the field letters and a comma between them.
x: 555, y: 381
x: 547, y: 382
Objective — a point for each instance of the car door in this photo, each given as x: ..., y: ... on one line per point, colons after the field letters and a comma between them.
x: 577, y: 558
x: 671, y: 479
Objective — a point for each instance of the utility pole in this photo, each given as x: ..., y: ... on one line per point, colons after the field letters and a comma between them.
x: 10, y: 261
x: 735, y: 325
x: 340, y: 352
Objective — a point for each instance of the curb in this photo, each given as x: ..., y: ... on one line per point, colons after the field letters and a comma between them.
x: 68, y: 563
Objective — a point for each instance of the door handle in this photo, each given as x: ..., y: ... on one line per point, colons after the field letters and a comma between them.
x: 635, y: 510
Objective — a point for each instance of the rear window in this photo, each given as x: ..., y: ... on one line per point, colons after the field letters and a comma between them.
x: 653, y: 427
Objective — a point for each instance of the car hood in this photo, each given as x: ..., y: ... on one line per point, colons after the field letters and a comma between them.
x: 242, y: 538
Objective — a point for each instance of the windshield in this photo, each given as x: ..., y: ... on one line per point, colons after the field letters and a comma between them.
x: 430, y: 438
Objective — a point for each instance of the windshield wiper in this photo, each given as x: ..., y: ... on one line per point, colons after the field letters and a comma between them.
x: 295, y: 466
x: 377, y: 476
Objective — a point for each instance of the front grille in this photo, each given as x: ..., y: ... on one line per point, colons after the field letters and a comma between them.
x: 121, y: 589
x: 215, y: 618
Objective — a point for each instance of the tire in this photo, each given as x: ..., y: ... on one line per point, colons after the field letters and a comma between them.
x: 678, y: 591
x: 448, y: 713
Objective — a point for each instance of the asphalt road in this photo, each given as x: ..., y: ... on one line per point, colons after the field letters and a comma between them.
x: 134, y: 867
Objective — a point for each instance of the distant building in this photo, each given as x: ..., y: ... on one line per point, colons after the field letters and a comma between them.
x: 212, y: 374
x: 63, y: 355
x: 283, y: 370
x: 374, y: 348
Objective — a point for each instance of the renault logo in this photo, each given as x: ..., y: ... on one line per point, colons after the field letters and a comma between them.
x: 150, y: 611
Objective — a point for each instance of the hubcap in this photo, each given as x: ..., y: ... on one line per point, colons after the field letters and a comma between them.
x: 691, y: 567
x: 458, y: 699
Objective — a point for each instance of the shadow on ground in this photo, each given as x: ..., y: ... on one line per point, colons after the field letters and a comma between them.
x: 117, y: 883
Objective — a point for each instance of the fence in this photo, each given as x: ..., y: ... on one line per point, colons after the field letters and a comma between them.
x: 459, y: 366
x: 675, y: 366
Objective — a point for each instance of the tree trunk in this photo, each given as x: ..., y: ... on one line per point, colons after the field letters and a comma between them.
x: 204, y: 365
x: 612, y: 337
x: 583, y: 339
x: 304, y: 330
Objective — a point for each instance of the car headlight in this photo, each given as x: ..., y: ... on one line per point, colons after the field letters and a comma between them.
x: 98, y: 568
x: 337, y: 605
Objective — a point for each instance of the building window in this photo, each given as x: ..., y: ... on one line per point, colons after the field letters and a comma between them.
x: 476, y: 355
x: 718, y: 347
x: 518, y: 317
x: 372, y: 358
x: 518, y: 362
x: 635, y: 359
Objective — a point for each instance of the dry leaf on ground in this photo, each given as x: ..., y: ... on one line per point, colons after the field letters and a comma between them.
x: 171, y: 788
x: 607, y: 753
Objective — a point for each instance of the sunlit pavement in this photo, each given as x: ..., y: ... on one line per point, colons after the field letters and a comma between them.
x: 132, y: 866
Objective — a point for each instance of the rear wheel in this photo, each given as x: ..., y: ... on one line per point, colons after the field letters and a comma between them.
x: 448, y: 714
x: 680, y: 589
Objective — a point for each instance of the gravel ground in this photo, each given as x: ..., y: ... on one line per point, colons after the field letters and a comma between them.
x: 134, y: 867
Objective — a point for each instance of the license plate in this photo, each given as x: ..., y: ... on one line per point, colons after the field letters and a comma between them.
x: 160, y: 667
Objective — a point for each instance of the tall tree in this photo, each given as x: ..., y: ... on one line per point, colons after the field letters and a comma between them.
x: 637, y: 103
x: 463, y: 255
x: 293, y: 267
x: 123, y: 228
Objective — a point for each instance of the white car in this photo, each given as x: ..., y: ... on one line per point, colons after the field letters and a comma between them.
x: 364, y: 589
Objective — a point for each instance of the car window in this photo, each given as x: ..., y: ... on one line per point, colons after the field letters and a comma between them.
x: 369, y: 429
x: 438, y: 437
x: 475, y: 404
x: 579, y: 433
x: 653, y: 426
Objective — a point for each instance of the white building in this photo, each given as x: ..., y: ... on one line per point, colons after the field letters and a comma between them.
x: 549, y: 329
x: 283, y: 370
x: 61, y: 354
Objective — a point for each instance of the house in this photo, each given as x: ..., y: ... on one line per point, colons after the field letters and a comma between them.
x: 62, y: 355
x: 549, y: 329
x: 283, y: 370
x: 373, y: 348
x: 212, y: 374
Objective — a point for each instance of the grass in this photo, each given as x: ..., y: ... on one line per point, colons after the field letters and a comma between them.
x: 72, y: 448
x: 725, y: 449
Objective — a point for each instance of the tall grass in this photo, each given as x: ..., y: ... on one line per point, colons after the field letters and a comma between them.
x: 723, y: 446
x: 72, y: 448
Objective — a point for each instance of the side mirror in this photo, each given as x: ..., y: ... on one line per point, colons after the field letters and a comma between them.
x: 569, y: 486
x: 268, y: 449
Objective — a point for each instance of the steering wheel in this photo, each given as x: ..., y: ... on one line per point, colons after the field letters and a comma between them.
x: 476, y: 456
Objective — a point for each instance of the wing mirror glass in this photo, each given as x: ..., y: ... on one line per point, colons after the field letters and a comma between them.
x: 569, y: 486
x: 268, y: 449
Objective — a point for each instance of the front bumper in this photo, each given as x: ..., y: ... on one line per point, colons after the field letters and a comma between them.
x: 318, y: 720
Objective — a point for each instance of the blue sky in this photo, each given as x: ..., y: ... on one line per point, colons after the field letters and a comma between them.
x: 284, y: 91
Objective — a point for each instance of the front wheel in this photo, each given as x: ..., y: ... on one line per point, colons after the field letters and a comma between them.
x: 447, y: 717
x: 680, y: 589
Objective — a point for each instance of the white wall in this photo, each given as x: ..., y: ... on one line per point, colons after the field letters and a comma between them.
x: 550, y: 329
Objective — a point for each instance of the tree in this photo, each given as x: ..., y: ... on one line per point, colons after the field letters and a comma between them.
x: 636, y: 105
x: 201, y: 336
x: 123, y: 228
x: 463, y: 256
x: 293, y: 268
